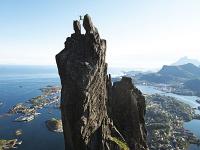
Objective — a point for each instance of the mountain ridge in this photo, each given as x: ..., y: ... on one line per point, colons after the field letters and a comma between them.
x: 186, y: 60
x: 169, y: 73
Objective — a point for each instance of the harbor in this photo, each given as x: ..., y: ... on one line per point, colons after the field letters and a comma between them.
x: 29, y: 109
x: 20, y: 89
x: 188, y: 129
x: 44, y: 101
x: 25, y: 112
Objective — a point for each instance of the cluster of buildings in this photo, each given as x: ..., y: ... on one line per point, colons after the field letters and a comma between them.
x: 28, y: 111
x: 164, y: 118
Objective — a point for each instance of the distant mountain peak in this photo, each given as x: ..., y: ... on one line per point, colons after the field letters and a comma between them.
x: 185, y: 60
x: 188, y: 70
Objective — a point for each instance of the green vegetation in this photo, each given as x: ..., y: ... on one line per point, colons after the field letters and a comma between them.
x: 120, y: 143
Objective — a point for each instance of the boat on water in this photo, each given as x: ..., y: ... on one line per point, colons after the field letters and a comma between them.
x: 24, y: 118
x: 18, y: 132
x: 1, y: 103
x: 36, y: 114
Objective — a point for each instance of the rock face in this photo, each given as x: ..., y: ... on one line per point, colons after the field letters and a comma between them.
x: 87, y: 96
x: 128, y: 110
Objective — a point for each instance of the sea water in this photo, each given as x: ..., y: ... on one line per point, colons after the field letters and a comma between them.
x: 21, y: 83
x: 20, y: 86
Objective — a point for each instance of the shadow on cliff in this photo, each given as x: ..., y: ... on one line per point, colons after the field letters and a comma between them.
x: 96, y: 114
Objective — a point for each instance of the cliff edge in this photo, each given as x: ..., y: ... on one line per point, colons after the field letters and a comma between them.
x: 89, y: 101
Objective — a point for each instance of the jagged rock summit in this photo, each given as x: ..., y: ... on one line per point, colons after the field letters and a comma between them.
x: 89, y: 101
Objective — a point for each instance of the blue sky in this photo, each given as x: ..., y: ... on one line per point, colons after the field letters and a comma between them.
x: 139, y: 33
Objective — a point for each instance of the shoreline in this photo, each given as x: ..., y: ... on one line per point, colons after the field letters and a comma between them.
x: 153, y: 90
x: 165, y: 123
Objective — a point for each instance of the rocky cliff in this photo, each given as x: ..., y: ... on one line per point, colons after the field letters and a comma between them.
x: 128, y: 110
x: 89, y: 102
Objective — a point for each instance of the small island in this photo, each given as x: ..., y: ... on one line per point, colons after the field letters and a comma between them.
x: 8, y: 144
x: 29, y: 110
x: 54, y: 125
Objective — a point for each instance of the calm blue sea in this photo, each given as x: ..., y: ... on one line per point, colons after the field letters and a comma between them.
x: 18, y: 84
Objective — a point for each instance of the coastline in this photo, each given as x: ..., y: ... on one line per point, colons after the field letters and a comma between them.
x: 153, y: 90
x: 35, y: 123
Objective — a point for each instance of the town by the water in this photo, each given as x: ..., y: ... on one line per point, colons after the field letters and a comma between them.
x: 28, y: 111
x: 164, y: 119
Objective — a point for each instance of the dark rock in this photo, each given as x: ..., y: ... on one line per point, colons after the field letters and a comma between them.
x: 86, y: 95
x: 77, y: 27
x: 128, y: 110
x: 83, y: 74
x: 87, y: 24
x: 90, y: 29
